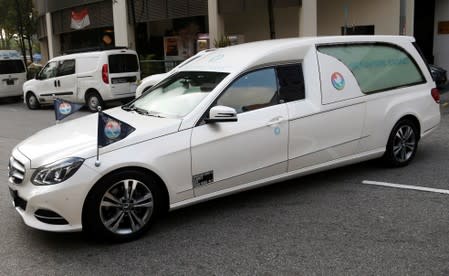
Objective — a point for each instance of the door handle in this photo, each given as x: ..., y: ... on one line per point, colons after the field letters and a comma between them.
x: 275, y: 121
x: 59, y: 83
x: 56, y: 84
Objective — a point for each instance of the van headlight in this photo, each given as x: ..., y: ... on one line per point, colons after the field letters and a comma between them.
x: 56, y: 172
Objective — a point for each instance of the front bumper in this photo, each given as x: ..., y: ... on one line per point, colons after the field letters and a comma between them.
x: 65, y: 199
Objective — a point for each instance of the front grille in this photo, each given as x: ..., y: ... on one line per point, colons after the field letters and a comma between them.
x: 16, y: 171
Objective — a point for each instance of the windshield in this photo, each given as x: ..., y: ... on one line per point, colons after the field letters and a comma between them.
x: 178, y: 94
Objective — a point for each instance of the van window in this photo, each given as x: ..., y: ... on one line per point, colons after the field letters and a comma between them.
x: 291, y: 82
x: 11, y: 66
x: 49, y: 70
x: 123, y: 63
x: 66, y: 67
x: 377, y: 67
x: 251, y: 91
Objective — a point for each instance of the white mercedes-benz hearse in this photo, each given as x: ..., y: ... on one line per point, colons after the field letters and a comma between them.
x: 236, y: 118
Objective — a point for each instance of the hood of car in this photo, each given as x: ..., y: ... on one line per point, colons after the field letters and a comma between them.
x: 78, y: 137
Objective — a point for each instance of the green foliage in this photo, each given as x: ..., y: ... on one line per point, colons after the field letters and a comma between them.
x: 18, y: 25
x: 222, y: 42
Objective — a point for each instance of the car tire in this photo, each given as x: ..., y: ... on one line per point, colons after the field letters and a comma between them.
x: 122, y: 206
x: 93, y: 101
x: 32, y: 101
x: 402, y: 144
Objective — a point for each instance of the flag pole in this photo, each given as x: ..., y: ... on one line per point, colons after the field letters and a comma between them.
x: 97, y: 162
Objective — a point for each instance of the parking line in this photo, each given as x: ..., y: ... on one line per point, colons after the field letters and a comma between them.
x: 408, y: 187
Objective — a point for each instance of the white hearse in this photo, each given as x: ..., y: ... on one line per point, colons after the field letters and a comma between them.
x: 89, y: 78
x: 12, y: 73
x: 234, y: 119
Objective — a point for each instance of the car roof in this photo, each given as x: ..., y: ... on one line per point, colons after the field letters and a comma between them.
x: 243, y: 56
x: 94, y: 54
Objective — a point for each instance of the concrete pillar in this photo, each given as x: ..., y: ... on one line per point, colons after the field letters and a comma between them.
x: 308, y: 18
x: 53, y: 42
x: 123, y: 31
x: 216, y: 22
x: 410, y: 21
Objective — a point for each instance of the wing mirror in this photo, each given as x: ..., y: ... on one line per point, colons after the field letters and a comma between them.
x: 221, y: 114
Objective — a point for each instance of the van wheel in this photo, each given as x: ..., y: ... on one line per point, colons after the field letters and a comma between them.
x: 32, y: 101
x: 93, y: 101
x: 122, y: 206
x: 402, y: 144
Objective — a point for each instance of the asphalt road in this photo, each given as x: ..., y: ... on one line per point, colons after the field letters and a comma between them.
x: 323, y: 224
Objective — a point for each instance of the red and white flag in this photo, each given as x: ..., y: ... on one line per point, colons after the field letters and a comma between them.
x: 80, y: 19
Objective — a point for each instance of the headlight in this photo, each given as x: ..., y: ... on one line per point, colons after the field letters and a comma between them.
x: 56, y: 172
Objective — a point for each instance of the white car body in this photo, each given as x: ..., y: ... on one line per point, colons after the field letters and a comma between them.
x: 75, y: 76
x: 327, y: 128
x: 12, y: 73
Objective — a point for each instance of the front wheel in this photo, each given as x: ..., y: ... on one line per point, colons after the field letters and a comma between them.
x: 122, y: 206
x: 402, y: 144
x: 32, y: 101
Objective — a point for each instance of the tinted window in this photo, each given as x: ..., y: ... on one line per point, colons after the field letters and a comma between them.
x: 11, y: 66
x: 291, y: 82
x: 66, y: 67
x: 377, y: 67
x: 123, y: 63
x: 251, y: 91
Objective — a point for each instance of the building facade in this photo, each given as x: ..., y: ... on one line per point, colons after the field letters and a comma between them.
x: 176, y: 29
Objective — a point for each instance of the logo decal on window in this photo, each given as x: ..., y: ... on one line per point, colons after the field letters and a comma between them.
x: 338, y: 81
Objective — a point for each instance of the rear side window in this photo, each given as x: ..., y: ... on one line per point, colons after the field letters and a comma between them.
x: 377, y: 67
x: 291, y: 82
x: 123, y: 63
x: 11, y: 66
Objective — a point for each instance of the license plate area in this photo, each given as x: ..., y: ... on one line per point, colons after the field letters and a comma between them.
x: 9, y: 82
x: 17, y: 200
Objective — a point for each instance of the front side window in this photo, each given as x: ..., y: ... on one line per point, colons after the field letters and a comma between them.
x: 251, y: 91
x: 49, y: 71
x: 179, y: 94
x: 66, y: 67
x: 291, y: 82
x: 377, y: 67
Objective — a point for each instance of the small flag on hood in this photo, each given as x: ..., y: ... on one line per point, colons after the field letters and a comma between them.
x: 65, y: 108
x: 111, y: 130
x: 80, y: 19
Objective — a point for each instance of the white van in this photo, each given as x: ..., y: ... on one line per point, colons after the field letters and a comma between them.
x: 90, y: 78
x: 234, y: 119
x: 12, y: 73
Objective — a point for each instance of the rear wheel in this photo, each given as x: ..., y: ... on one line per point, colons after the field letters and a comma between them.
x: 93, y: 101
x: 32, y: 101
x: 402, y: 144
x: 122, y: 206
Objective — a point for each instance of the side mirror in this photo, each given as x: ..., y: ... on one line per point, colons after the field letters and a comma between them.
x: 221, y: 114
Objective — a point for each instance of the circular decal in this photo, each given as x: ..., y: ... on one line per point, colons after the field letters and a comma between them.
x: 277, y: 130
x: 65, y: 108
x: 112, y: 129
x: 338, y: 81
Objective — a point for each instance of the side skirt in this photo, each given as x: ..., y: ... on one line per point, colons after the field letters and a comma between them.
x: 282, y: 177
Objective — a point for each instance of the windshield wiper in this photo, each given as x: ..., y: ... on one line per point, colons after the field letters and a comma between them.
x: 136, y: 109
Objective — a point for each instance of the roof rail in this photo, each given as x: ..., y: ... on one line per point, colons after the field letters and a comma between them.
x: 92, y: 49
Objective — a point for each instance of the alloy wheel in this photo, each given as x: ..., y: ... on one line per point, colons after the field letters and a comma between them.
x: 404, y: 143
x: 126, y: 207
